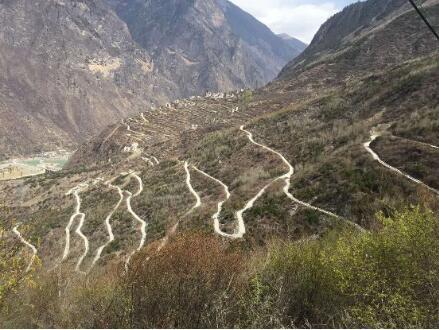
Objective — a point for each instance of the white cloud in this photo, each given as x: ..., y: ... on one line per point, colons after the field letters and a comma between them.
x: 298, y: 18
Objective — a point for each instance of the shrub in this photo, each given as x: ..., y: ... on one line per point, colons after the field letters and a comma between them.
x: 383, y: 279
x: 189, y: 284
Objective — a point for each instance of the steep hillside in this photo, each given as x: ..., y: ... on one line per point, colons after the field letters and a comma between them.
x: 285, y: 161
x: 206, y: 45
x: 69, y: 69
x: 365, y: 36
x: 72, y: 67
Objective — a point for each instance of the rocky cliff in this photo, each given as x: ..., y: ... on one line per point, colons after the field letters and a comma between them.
x: 71, y: 67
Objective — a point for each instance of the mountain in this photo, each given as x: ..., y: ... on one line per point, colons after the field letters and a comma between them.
x: 205, y: 44
x: 318, y: 114
x: 69, y: 69
x: 293, y: 42
x: 72, y: 67
x: 346, y: 132
x: 364, y: 35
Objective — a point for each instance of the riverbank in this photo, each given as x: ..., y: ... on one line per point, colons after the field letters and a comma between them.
x: 38, y: 164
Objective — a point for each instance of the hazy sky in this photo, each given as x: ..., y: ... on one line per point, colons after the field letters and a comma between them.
x: 298, y: 18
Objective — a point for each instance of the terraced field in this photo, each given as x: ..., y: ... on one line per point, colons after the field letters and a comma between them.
x: 192, y: 165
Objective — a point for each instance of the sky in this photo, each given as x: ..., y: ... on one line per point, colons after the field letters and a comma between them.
x: 299, y: 18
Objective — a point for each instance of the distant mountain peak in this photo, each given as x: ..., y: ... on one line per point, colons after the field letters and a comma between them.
x: 293, y: 42
x: 101, y: 60
x: 285, y: 36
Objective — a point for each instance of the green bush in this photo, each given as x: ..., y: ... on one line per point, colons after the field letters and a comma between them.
x: 381, y: 279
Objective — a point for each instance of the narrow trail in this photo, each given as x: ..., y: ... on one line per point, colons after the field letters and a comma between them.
x: 191, y: 189
x: 85, y: 240
x: 111, y: 134
x: 75, y: 191
x: 142, y: 115
x: 197, y: 204
x: 108, y: 224
x: 156, y: 160
x: 215, y: 217
x: 240, y: 214
x: 32, y: 247
x: 136, y: 135
x: 375, y: 156
x: 148, y: 160
x: 418, y: 142
x: 287, y: 179
x: 143, y: 224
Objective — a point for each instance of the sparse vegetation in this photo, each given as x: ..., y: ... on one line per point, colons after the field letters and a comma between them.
x: 284, y: 263
x: 382, y: 279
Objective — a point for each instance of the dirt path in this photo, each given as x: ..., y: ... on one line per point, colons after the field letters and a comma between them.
x: 191, y: 189
x: 156, y: 160
x: 85, y: 240
x: 75, y: 191
x: 240, y: 232
x: 215, y: 217
x: 287, y: 179
x: 143, y: 224
x: 134, y: 134
x: 418, y: 142
x: 367, y: 146
x: 111, y: 134
x: 108, y: 224
x: 148, y: 160
x: 197, y: 204
x: 32, y: 247
x: 144, y: 118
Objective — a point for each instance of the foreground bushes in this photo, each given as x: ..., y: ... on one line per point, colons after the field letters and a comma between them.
x: 385, y: 279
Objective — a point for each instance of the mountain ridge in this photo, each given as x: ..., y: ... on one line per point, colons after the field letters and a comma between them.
x: 72, y: 67
x: 294, y: 42
x: 225, y: 34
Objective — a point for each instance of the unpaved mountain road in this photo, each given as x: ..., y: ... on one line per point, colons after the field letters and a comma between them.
x: 215, y: 217
x: 108, y: 223
x: 367, y: 146
x: 79, y: 232
x: 32, y: 247
x: 191, y: 189
x: 287, y: 179
x: 75, y: 191
x: 143, y: 223
x: 418, y: 142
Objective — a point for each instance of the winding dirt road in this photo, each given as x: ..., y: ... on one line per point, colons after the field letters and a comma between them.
x: 367, y: 146
x: 134, y: 134
x: 215, y: 217
x: 156, y: 160
x: 418, y: 142
x: 111, y: 134
x: 148, y: 160
x: 75, y: 191
x: 287, y: 179
x: 32, y: 247
x: 143, y: 224
x: 240, y: 232
x: 197, y: 204
x: 85, y: 240
x: 108, y: 224
x: 240, y: 228
x: 191, y: 189
x: 144, y: 118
